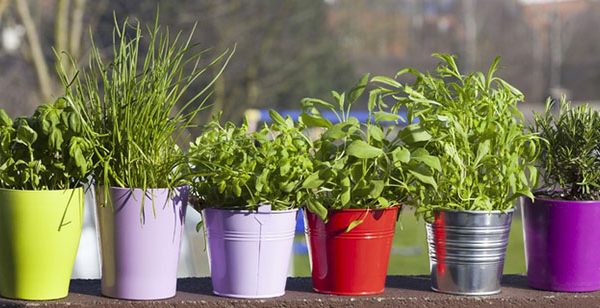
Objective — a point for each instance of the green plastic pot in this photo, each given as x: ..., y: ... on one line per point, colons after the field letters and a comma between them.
x: 39, y: 237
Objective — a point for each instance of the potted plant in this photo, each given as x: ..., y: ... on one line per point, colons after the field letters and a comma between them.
x: 362, y: 173
x: 560, y: 225
x: 248, y: 190
x: 486, y: 164
x: 44, y: 161
x: 140, y: 106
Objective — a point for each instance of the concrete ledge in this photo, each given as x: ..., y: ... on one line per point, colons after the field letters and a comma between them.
x: 411, y: 291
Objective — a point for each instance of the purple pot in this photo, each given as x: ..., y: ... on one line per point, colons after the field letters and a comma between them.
x: 560, y: 240
x: 249, y: 252
x: 139, y: 245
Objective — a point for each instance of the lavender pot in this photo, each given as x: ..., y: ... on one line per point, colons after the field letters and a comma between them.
x: 561, y: 239
x: 249, y: 252
x: 139, y: 244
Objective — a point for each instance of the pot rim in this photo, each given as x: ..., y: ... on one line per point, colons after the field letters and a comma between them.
x: 397, y: 206
x: 481, y: 212
x: 564, y: 201
x: 231, y: 210
x: 138, y: 188
x: 40, y: 190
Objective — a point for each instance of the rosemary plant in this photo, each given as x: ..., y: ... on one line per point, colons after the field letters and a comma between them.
x: 136, y: 103
x: 569, y: 160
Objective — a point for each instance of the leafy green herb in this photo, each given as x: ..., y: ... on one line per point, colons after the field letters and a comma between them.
x: 135, y: 103
x: 51, y: 150
x: 472, y: 124
x: 241, y: 170
x: 363, y: 165
x: 569, y: 160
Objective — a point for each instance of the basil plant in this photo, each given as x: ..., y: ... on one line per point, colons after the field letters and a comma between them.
x: 487, y: 159
x: 50, y: 150
x: 237, y: 169
x: 370, y: 165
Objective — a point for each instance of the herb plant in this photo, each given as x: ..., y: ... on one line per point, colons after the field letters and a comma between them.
x: 569, y: 160
x: 363, y: 165
x: 137, y: 105
x: 51, y: 150
x: 477, y: 133
x: 236, y: 169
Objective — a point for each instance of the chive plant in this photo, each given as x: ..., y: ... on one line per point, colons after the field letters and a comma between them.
x: 139, y: 104
x: 569, y: 160
x: 487, y: 160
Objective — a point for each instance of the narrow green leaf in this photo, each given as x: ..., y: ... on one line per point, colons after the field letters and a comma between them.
x: 353, y: 224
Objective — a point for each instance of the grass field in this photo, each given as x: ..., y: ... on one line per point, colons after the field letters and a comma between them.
x: 409, y: 251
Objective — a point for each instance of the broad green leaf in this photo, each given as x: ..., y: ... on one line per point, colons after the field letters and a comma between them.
x: 375, y: 132
x: 312, y: 181
x: 353, y: 224
x: 382, y: 116
x: 340, y: 130
x: 376, y: 187
x: 315, y: 121
x: 361, y: 149
x: 26, y: 135
x: 414, y: 133
x: 430, y: 161
x: 401, y: 154
x: 423, y: 178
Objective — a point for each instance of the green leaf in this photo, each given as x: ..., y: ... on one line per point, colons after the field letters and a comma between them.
x: 316, y: 207
x: 315, y: 121
x: 26, y: 135
x: 401, y: 154
x: 55, y: 140
x: 5, y: 120
x: 340, y: 130
x: 423, y: 178
x: 376, y: 187
x: 358, y: 90
x: 375, y: 132
x: 312, y: 181
x: 353, y: 224
x: 430, y: 161
x: 199, y: 225
x: 414, y: 133
x: 387, y: 81
x: 382, y: 116
x: 361, y: 149
x: 277, y: 118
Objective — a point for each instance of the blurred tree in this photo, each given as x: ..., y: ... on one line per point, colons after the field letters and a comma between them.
x: 285, y: 50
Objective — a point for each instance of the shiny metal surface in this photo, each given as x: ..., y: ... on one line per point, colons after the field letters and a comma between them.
x: 466, y: 251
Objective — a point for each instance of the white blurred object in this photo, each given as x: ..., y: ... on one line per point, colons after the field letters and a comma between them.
x: 87, y: 263
x: 12, y: 37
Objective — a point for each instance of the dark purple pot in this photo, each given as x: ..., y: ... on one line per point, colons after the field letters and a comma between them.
x: 561, y: 239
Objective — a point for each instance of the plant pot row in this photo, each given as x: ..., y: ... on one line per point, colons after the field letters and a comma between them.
x: 249, y: 251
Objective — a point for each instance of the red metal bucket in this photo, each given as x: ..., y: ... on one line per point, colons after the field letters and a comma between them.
x: 354, y: 262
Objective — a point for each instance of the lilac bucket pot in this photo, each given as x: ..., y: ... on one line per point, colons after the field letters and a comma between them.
x: 561, y: 239
x: 249, y: 251
x: 140, y: 249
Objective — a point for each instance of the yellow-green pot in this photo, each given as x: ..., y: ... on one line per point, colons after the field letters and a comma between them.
x: 39, y: 237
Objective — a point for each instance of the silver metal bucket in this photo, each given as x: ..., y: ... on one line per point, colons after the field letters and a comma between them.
x: 467, y: 249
